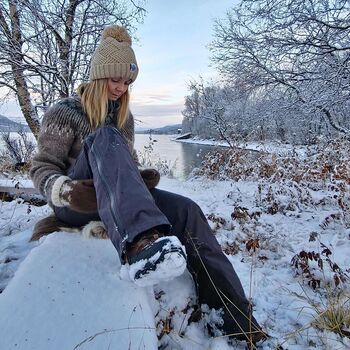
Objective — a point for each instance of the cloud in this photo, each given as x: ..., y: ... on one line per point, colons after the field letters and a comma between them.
x: 156, y: 110
x: 156, y: 92
x: 156, y: 122
x: 152, y: 98
x: 157, y: 104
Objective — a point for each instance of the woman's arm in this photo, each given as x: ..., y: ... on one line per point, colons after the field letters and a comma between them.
x: 51, y: 162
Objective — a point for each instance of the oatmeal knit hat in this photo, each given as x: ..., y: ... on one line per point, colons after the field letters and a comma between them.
x: 114, y: 56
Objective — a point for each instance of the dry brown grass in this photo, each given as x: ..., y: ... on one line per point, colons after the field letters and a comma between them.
x: 335, y: 317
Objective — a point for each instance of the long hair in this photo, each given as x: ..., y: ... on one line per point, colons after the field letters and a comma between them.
x: 94, y: 100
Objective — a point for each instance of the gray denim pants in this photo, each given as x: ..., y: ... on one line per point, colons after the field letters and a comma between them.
x: 127, y: 208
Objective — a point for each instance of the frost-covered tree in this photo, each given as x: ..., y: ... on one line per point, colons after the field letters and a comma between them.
x: 230, y: 113
x: 301, y: 48
x: 46, y: 46
x: 212, y: 110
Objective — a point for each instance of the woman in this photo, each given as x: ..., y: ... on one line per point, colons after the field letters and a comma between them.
x: 87, y: 168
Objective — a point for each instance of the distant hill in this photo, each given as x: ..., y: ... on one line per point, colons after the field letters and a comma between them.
x: 166, y: 130
x: 7, y: 124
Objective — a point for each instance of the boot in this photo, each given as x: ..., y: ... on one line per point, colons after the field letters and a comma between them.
x: 153, y: 258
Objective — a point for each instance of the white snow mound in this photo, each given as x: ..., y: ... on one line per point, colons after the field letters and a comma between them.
x: 67, y: 294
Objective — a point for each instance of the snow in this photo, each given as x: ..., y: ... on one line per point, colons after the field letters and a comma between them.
x: 264, y: 146
x: 172, y: 265
x: 65, y: 288
x: 17, y: 181
x: 54, y: 302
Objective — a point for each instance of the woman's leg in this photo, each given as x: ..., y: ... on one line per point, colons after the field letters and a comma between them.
x: 128, y: 210
x: 124, y: 203
x: 217, y: 283
x: 79, y: 171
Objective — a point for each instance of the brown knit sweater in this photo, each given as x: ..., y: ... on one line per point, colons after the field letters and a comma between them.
x: 63, y: 131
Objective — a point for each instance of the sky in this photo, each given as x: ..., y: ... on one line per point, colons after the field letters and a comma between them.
x: 171, y: 51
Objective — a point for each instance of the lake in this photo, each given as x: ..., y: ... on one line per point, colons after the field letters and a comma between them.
x: 180, y: 158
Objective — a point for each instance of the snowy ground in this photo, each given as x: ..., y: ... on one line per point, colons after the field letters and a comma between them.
x: 240, y: 213
x: 265, y: 146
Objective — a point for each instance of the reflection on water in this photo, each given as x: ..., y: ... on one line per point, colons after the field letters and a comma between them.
x: 183, y: 156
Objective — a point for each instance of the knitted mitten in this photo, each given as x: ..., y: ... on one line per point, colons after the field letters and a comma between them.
x: 150, y: 177
x: 79, y: 195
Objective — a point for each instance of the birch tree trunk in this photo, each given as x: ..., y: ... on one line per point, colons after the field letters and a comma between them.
x: 23, y: 95
x: 46, y: 46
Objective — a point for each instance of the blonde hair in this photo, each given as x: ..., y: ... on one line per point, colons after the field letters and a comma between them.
x: 94, y: 100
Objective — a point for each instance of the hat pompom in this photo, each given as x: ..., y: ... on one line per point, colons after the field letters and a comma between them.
x: 116, y: 32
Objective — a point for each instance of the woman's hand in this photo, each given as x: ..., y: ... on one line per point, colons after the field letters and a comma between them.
x: 150, y: 177
x: 79, y: 195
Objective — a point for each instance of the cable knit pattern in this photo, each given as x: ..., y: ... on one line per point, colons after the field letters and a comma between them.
x: 63, y: 131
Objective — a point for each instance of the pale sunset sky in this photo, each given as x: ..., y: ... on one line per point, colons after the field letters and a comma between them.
x: 171, y: 51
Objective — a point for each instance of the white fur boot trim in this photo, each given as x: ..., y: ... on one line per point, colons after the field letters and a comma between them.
x: 95, y: 229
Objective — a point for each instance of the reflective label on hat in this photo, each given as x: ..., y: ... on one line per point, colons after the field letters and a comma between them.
x: 133, y: 67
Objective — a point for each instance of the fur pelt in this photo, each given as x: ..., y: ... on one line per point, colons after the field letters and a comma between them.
x: 95, y: 229
x: 49, y: 225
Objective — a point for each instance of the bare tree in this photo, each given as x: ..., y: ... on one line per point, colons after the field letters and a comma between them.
x: 19, y: 148
x: 299, y: 47
x: 229, y: 113
x: 212, y: 110
x: 46, y: 46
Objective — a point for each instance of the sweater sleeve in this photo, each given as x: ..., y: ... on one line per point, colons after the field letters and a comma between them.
x: 54, y: 144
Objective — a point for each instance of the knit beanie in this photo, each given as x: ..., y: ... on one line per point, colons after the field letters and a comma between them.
x: 114, y: 57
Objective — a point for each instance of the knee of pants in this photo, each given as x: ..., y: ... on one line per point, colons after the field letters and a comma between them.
x: 194, y: 209
x: 107, y: 131
x: 196, y: 222
x: 198, y: 232
x: 109, y: 135
x: 189, y: 207
x: 104, y: 135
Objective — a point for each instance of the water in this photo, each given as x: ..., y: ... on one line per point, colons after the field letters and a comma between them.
x: 182, y: 158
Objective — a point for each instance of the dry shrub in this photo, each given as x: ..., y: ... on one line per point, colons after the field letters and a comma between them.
x: 335, y: 317
x: 231, y: 248
x: 318, y: 268
x: 8, y: 166
x: 323, y: 163
x: 286, y: 182
x: 241, y: 214
x: 217, y: 220
x: 18, y: 149
x: 273, y: 198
